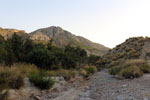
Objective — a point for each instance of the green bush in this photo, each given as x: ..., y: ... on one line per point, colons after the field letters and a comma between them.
x: 145, y: 68
x: 131, y: 72
x: 41, y: 80
x: 115, y: 70
x: 91, y: 69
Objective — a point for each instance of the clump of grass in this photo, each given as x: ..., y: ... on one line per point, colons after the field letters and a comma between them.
x: 10, y: 78
x: 25, y: 69
x: 132, y: 62
x: 83, y: 73
x: 145, y: 68
x: 131, y: 68
x: 131, y: 72
x: 90, y: 69
x: 115, y: 70
x: 4, y: 96
x: 41, y: 80
x: 67, y: 74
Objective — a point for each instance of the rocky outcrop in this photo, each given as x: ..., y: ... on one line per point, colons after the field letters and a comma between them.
x: 7, y: 33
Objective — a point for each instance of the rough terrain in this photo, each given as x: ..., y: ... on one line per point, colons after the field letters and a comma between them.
x: 105, y: 87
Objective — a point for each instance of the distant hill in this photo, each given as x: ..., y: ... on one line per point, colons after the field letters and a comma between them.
x: 60, y: 37
x: 132, y: 48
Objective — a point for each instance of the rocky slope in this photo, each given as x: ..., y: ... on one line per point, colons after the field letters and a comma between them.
x: 62, y: 38
x: 132, y: 48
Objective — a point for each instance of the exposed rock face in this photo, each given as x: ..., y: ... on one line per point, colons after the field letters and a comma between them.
x: 7, y: 33
x: 62, y: 38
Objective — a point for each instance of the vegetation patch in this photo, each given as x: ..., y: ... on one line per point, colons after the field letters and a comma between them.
x: 41, y: 80
x: 131, y: 68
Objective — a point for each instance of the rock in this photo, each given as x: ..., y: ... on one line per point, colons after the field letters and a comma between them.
x: 120, y: 97
x: 145, y: 99
x: 86, y: 88
x: 37, y: 98
x: 124, y: 86
x: 131, y: 98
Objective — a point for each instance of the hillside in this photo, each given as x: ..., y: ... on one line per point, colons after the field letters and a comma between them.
x: 62, y: 38
x: 132, y: 48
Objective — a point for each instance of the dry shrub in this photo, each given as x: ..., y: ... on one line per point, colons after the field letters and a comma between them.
x: 131, y: 72
x: 12, y: 77
x: 132, y: 62
x: 83, y: 73
x: 24, y: 68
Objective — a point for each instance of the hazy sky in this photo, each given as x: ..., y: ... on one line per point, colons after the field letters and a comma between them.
x: 108, y: 22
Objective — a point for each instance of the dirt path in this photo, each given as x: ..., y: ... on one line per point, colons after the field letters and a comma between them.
x: 105, y: 87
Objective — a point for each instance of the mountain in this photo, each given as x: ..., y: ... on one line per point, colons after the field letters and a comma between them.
x: 62, y: 38
x: 132, y: 48
x: 7, y: 33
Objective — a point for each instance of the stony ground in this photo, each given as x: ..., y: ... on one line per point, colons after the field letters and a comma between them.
x: 102, y: 86
x: 105, y: 87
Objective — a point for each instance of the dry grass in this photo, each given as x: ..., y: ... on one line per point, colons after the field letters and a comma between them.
x: 67, y: 74
x: 12, y: 77
x: 134, y: 62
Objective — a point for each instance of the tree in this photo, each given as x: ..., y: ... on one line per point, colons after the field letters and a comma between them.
x: 92, y: 59
x: 16, y: 43
x: 10, y: 58
x: 42, y: 58
x: 3, y: 51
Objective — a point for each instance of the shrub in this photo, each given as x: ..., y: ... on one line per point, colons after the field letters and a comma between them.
x: 16, y: 82
x: 115, y: 70
x: 84, y: 73
x: 10, y: 78
x: 41, y: 80
x: 67, y: 74
x: 131, y: 72
x: 4, y: 96
x: 132, y: 62
x: 145, y: 68
x: 91, y: 69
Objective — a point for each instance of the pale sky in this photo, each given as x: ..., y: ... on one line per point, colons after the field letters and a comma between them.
x: 108, y: 22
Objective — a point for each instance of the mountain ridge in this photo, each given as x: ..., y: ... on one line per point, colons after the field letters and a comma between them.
x: 60, y: 37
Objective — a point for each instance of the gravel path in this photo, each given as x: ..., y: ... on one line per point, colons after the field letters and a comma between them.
x: 105, y: 87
